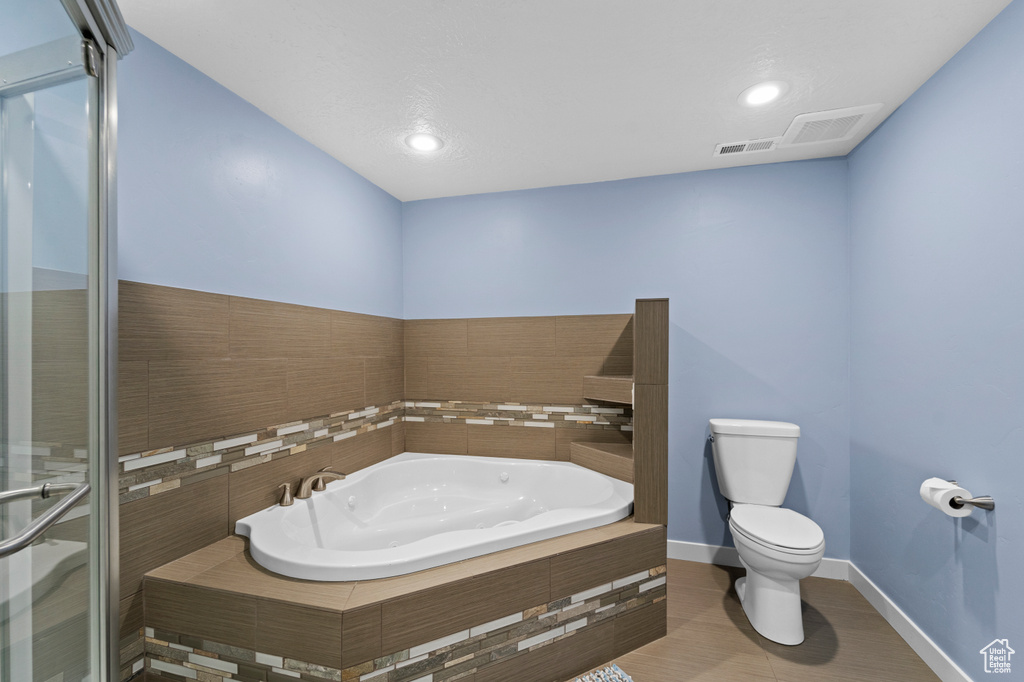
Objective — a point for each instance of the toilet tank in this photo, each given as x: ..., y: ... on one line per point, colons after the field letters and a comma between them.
x: 754, y: 459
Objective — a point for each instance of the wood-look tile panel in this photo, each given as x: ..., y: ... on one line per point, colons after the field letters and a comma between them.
x: 650, y: 453
x: 520, y: 442
x: 559, y: 380
x: 199, y: 561
x: 241, y: 575
x: 161, y: 528
x: 352, y: 454
x: 465, y: 378
x: 131, y: 615
x: 457, y: 378
x: 508, y: 336
x: 643, y: 625
x: 557, y: 661
x: 601, y: 335
x: 650, y: 328
x: 360, y: 635
x: 435, y: 338
x: 200, y: 612
x: 397, y: 438
x: 256, y: 487
x: 163, y: 323
x: 132, y: 407
x: 298, y: 632
x: 323, y: 386
x: 267, y: 329
x: 195, y: 400
x: 437, y: 437
x: 588, y: 567
x: 365, y: 336
x: 417, y: 618
x: 564, y: 437
x: 385, y: 380
x: 60, y: 391
x: 60, y: 324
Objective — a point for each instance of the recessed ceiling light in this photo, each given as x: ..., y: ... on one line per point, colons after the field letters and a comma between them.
x: 762, y: 93
x: 424, y: 142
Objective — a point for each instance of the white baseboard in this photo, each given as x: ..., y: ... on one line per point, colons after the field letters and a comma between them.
x: 836, y: 569
x: 842, y: 569
x: 934, y: 657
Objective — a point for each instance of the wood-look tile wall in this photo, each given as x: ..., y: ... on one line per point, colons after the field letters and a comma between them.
x: 196, y: 366
x: 510, y: 360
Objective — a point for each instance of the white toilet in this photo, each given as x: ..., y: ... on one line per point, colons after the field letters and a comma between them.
x: 754, y: 461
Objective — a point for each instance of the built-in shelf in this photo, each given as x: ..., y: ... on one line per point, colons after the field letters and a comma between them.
x: 610, y: 459
x: 609, y: 389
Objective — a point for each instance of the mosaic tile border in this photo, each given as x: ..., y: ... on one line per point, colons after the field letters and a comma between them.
x: 178, y: 656
x: 155, y: 471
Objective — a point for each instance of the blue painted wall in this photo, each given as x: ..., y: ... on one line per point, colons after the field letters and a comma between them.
x: 937, y: 227
x: 755, y: 263
x: 215, y: 195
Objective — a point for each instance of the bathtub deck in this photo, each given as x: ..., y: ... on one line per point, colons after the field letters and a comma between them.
x: 220, y: 594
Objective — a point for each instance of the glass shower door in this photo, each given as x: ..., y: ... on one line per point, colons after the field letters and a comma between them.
x: 49, y: 367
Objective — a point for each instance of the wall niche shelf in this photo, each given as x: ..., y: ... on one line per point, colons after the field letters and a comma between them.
x: 610, y: 459
x: 609, y: 389
x: 644, y: 463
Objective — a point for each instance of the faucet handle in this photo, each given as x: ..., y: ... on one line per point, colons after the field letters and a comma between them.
x: 286, y: 498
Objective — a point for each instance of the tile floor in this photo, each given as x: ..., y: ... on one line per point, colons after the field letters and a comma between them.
x: 709, y: 638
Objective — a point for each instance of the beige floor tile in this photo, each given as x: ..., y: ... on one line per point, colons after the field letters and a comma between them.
x: 709, y: 637
x: 837, y: 651
x: 702, y: 576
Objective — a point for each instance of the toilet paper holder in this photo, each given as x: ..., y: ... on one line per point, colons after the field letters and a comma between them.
x: 981, y: 502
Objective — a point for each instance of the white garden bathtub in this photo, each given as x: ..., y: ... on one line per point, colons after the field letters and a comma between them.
x: 416, y: 511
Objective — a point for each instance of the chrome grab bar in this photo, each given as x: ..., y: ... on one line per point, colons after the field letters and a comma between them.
x: 40, y: 525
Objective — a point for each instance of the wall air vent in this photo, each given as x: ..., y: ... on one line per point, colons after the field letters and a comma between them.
x: 746, y: 147
x: 829, y: 126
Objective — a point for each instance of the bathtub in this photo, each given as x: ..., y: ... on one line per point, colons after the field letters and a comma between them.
x: 416, y: 511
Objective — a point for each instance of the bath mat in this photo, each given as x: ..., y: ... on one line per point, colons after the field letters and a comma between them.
x: 612, y: 673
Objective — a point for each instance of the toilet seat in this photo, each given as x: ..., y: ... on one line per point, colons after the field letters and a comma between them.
x: 777, y: 528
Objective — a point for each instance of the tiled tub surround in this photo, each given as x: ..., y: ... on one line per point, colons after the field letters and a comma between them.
x: 550, y: 608
x: 198, y: 368
x: 471, y: 652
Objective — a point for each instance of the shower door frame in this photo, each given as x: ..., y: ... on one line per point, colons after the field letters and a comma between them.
x: 100, y: 23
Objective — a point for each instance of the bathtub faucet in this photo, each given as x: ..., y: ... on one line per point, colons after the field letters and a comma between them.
x: 316, y: 482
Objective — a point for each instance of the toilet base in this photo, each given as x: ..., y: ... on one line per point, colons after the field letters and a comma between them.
x: 772, y: 605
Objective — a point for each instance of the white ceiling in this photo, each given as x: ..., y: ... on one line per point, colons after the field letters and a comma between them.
x: 536, y: 93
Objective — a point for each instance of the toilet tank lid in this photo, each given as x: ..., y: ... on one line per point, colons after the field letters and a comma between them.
x: 754, y: 427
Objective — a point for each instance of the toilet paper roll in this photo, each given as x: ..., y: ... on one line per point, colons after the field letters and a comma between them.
x: 939, y: 493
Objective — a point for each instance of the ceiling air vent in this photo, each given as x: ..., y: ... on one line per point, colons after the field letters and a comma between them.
x: 829, y: 126
x: 746, y: 147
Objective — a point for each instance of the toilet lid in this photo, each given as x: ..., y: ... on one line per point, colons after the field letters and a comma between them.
x: 777, y: 526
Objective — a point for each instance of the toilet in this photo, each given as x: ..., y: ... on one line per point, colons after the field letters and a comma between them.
x: 754, y: 463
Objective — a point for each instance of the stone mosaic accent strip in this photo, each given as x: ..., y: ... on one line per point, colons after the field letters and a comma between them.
x: 178, y: 656
x: 526, y: 414
x: 156, y: 471
x: 132, y: 655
